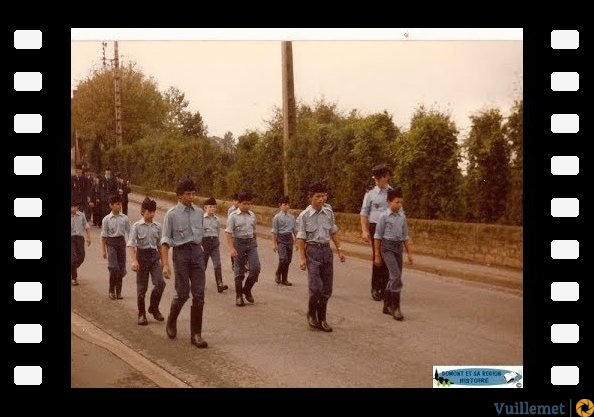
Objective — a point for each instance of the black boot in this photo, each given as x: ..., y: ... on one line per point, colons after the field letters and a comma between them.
x: 247, y: 289
x: 118, y: 289
x: 278, y: 273
x: 284, y: 273
x: 239, y: 292
x: 312, y: 313
x: 219, y: 280
x: 156, y: 294
x: 171, y: 327
x: 142, y: 321
x: 388, y: 307
x: 322, y: 305
x: 397, y: 313
x: 111, y: 286
x: 196, y: 326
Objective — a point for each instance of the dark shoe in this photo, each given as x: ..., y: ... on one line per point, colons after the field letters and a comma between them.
x: 247, y: 289
x: 239, y: 292
x: 397, y: 313
x: 375, y: 295
x: 277, y: 278
x: 196, y: 326
x: 198, y: 341
x: 388, y: 307
x: 248, y: 295
x: 312, y: 320
x: 112, y: 295
x: 322, y: 306
x: 74, y: 282
x: 324, y: 326
x: 219, y: 280
x: 312, y: 313
x: 287, y: 283
x: 171, y: 327
x: 156, y: 314
x: 142, y: 321
x: 119, y: 296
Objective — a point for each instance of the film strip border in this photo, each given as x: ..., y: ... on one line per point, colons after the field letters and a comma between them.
x: 38, y: 149
x: 568, y: 335
x: 28, y: 169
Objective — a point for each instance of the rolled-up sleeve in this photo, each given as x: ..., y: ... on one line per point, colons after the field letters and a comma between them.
x: 366, y: 206
x: 380, y: 226
x: 275, y: 225
x: 167, y: 237
x: 132, y: 241
x: 300, y: 227
x: 230, y: 224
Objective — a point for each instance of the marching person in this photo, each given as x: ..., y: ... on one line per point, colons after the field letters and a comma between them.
x: 183, y: 230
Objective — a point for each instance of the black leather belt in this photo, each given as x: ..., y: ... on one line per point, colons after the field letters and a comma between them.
x: 319, y: 245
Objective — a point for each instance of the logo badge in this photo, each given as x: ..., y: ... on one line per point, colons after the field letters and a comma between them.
x: 497, y: 376
x: 584, y: 408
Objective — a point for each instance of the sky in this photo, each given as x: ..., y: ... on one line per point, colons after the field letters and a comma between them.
x: 235, y: 85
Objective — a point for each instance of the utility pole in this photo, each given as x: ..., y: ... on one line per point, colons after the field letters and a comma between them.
x: 118, y: 103
x: 289, y: 113
x: 73, y: 128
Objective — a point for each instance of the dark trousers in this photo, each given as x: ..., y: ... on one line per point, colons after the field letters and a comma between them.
x: 379, y: 274
x: 77, y: 254
x: 188, y: 264
x: 392, y: 255
x: 149, y: 262
x: 211, y: 248
x: 285, y: 247
x: 246, y: 249
x: 320, y: 272
x: 116, y: 262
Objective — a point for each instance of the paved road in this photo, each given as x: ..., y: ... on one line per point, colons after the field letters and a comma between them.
x: 268, y: 344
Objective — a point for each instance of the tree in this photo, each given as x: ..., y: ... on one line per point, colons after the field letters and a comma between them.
x: 426, y: 165
x: 488, y: 174
x: 514, y: 131
x: 93, y: 113
x: 179, y: 118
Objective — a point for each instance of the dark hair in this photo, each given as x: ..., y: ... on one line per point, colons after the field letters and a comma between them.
x: 210, y: 202
x: 394, y: 193
x: 184, y: 185
x: 284, y: 200
x: 74, y: 202
x: 115, y: 198
x: 78, y: 166
x: 148, y: 204
x: 381, y: 170
x: 244, y: 196
x: 234, y: 196
x: 317, y: 187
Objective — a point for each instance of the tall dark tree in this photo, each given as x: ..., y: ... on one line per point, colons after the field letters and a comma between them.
x: 488, y: 172
x: 426, y: 165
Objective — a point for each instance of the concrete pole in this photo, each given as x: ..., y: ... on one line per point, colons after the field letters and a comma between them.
x: 289, y: 113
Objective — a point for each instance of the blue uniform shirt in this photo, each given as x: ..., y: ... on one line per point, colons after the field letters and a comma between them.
x: 375, y: 203
x: 114, y: 226
x: 212, y: 225
x: 392, y: 226
x: 242, y: 225
x: 316, y: 226
x: 183, y: 224
x: 283, y: 223
x: 78, y: 224
x: 145, y: 235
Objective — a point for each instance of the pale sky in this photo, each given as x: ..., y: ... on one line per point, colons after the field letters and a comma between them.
x: 236, y: 84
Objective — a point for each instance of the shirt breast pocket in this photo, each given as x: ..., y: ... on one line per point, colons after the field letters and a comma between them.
x: 142, y: 238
